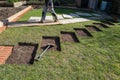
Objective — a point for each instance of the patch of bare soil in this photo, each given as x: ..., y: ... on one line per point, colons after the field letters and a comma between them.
x: 6, y: 12
x: 69, y: 37
x: 107, y: 22
x: 101, y: 25
x: 92, y: 28
x: 23, y: 53
x: 82, y: 32
x: 53, y: 41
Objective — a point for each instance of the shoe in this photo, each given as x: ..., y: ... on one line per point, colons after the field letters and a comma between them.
x: 41, y: 21
x: 56, y: 20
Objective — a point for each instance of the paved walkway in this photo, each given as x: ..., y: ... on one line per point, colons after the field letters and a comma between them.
x: 65, y: 21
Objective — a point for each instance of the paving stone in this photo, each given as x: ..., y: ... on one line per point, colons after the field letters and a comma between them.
x: 60, y: 17
x: 34, y: 19
x: 66, y: 16
x: 94, y: 14
x: 83, y: 14
x: 49, y: 18
x: 74, y: 15
x: 95, y: 18
x: 67, y: 21
x: 37, y: 19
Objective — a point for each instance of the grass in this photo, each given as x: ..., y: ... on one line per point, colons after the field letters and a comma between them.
x: 96, y: 58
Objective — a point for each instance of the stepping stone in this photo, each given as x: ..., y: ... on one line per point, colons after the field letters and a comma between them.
x: 49, y: 18
x: 34, y: 19
x: 74, y: 15
x: 38, y: 19
x: 83, y: 14
x: 98, y: 15
x: 95, y: 18
x: 60, y: 17
x: 67, y: 21
x: 66, y: 16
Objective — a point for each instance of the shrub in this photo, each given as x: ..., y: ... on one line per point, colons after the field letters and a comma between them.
x: 11, y: 1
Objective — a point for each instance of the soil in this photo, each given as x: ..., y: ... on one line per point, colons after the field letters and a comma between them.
x: 101, y: 25
x: 53, y: 41
x: 23, y: 53
x: 92, y: 28
x: 6, y: 12
x: 107, y: 22
x: 69, y: 37
x: 82, y: 32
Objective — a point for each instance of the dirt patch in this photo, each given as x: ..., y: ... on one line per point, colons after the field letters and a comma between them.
x: 101, y: 25
x: 54, y: 41
x: 92, y: 28
x: 107, y: 22
x: 24, y: 53
x: 82, y: 32
x: 6, y: 12
x: 69, y: 37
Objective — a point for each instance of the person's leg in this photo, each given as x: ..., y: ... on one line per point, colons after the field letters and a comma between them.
x: 44, y: 14
x: 54, y: 15
x: 52, y: 11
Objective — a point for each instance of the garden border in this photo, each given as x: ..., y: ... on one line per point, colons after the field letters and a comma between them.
x: 14, y: 18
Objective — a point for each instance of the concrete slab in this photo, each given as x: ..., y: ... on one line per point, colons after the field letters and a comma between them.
x: 94, y: 14
x: 34, y: 19
x: 49, y: 18
x: 67, y: 21
x: 66, y: 16
x: 60, y: 17
x: 95, y: 18
x: 74, y: 15
x: 83, y: 14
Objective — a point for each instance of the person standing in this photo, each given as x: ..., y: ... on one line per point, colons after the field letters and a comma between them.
x: 48, y: 7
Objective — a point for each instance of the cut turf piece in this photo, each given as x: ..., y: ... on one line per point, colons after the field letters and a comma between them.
x: 69, y: 37
x: 92, y: 28
x: 23, y: 53
x: 101, y: 25
x: 82, y: 32
x: 51, y: 40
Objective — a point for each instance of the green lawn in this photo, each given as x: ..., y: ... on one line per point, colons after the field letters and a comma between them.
x: 96, y: 58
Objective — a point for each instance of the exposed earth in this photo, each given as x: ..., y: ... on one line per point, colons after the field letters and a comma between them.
x: 6, y: 12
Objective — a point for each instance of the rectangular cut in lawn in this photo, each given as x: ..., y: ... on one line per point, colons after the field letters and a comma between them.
x: 69, y: 36
x: 82, y: 32
x: 23, y: 53
x: 101, y: 25
x: 92, y: 28
x: 107, y: 22
x: 54, y: 41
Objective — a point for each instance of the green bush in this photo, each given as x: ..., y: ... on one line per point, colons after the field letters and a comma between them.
x: 13, y: 1
x: 65, y: 1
